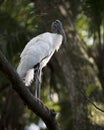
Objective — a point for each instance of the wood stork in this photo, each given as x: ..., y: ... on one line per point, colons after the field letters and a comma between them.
x: 37, y: 54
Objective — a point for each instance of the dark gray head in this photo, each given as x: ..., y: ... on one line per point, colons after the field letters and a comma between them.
x: 58, y: 28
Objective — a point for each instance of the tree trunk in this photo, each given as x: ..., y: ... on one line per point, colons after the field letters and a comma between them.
x: 72, y: 60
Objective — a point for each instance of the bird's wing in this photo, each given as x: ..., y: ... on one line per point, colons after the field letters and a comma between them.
x: 39, y: 49
x: 32, y: 55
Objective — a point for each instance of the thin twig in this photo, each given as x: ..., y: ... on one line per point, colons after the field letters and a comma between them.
x: 92, y: 102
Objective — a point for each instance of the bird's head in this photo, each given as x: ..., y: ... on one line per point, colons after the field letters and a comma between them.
x: 58, y: 28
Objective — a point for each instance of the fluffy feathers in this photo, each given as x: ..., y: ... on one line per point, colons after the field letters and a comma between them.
x: 38, y: 50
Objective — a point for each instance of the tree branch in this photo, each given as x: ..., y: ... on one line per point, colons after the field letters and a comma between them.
x: 36, y: 105
x: 90, y: 101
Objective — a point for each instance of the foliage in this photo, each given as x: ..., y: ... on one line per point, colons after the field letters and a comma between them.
x: 21, y: 15
x: 94, y: 12
x: 20, y: 22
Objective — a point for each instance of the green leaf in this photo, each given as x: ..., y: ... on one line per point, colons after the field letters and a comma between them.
x: 90, y: 89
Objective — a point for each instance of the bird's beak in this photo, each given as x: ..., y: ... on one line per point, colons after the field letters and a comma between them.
x: 64, y: 37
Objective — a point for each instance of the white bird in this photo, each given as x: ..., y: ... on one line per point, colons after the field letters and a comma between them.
x: 37, y: 54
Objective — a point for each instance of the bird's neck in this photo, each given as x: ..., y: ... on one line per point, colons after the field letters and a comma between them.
x: 63, y: 35
x: 57, y: 41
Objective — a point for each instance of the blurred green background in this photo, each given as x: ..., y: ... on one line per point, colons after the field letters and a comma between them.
x: 74, y: 73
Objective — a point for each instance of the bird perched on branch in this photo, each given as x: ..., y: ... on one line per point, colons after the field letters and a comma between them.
x: 37, y: 54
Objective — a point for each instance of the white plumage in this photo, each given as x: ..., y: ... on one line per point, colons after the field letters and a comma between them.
x: 37, y: 54
x: 38, y: 50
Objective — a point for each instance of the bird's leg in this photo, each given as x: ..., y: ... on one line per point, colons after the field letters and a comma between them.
x: 38, y: 83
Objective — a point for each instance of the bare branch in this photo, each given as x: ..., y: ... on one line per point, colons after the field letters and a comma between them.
x: 37, y: 106
x: 90, y: 101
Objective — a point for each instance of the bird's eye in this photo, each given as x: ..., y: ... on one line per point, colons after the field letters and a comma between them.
x: 58, y: 21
